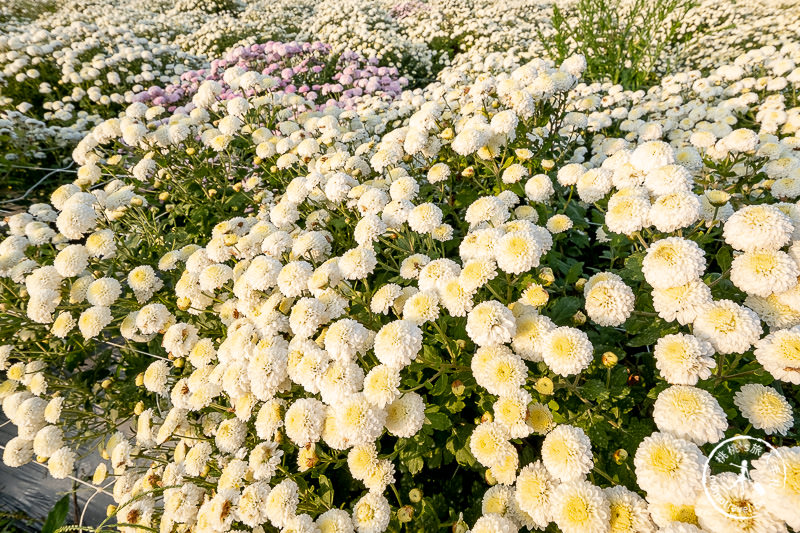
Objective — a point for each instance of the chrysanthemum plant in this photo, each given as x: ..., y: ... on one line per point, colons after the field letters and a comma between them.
x: 284, y: 319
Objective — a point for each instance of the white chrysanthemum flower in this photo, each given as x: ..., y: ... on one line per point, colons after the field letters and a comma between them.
x: 566, y: 350
x: 776, y: 476
x: 47, y: 440
x: 651, y: 155
x: 511, y: 410
x: 398, y: 343
x: 736, y: 496
x: 155, y: 377
x: 729, y: 327
x: 594, y: 184
x: 763, y: 272
x: 381, y: 385
x: 103, y: 292
x: 487, y: 209
x: 421, y: 307
x: 230, y: 435
x: 368, y: 230
x: 347, y: 338
x: 61, y: 463
x: 764, y: 408
x: 281, y: 503
x: 101, y: 244
x: 609, y: 302
x: 668, y: 179
x: 306, y: 317
x: 674, y: 211
x: 779, y: 354
x: 93, y: 320
x: 405, y: 416
x: 360, y: 421
x: 62, y: 325
x: 684, y: 359
x: 758, y: 226
x: 490, y: 323
x: 425, y: 218
x: 570, y: 174
x: 690, y: 413
x: 567, y: 453
x: 528, y: 341
x: 371, y: 513
x: 533, y: 492
x: 682, y: 303
x: 669, y: 469
x: 293, y: 278
x: 357, y: 263
x: 539, y: 188
x: 558, y: 224
x: 499, y: 370
x: 304, y: 420
x: 383, y: 299
x: 629, y: 512
x: 627, y: 212
x: 72, y: 260
x: 580, y: 507
x: 514, y: 173
x: 144, y: 282
x: 335, y: 521
x: 489, y: 443
x: 672, y: 262
x: 494, y: 523
x: 476, y: 273
x: 438, y: 173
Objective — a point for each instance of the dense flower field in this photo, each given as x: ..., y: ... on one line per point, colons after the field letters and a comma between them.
x: 364, y: 265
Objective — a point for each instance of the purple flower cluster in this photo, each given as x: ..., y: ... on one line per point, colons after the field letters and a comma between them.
x: 406, y: 9
x: 304, y: 68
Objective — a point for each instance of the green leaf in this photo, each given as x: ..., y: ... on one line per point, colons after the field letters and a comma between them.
x: 594, y: 390
x: 415, y: 465
x: 565, y: 307
x: 724, y: 258
x: 633, y: 267
x: 574, y: 273
x: 326, y: 490
x: 439, y: 421
x: 57, y: 515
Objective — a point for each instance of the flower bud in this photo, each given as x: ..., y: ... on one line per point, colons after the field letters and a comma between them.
x: 307, y: 457
x: 447, y: 134
x: 487, y: 417
x: 164, y: 196
x: 140, y: 379
x: 138, y: 408
x: 468, y: 172
x: 100, y: 474
x: 405, y: 514
x: 544, y: 385
x: 580, y: 284
x: 106, y: 384
x: 111, y: 510
x: 579, y: 318
x: 190, y: 151
x: 620, y: 456
x: 609, y: 359
x: 237, y: 187
x: 546, y: 276
x: 457, y: 387
x: 211, y: 193
x: 136, y: 201
x: 460, y: 526
x: 415, y: 495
